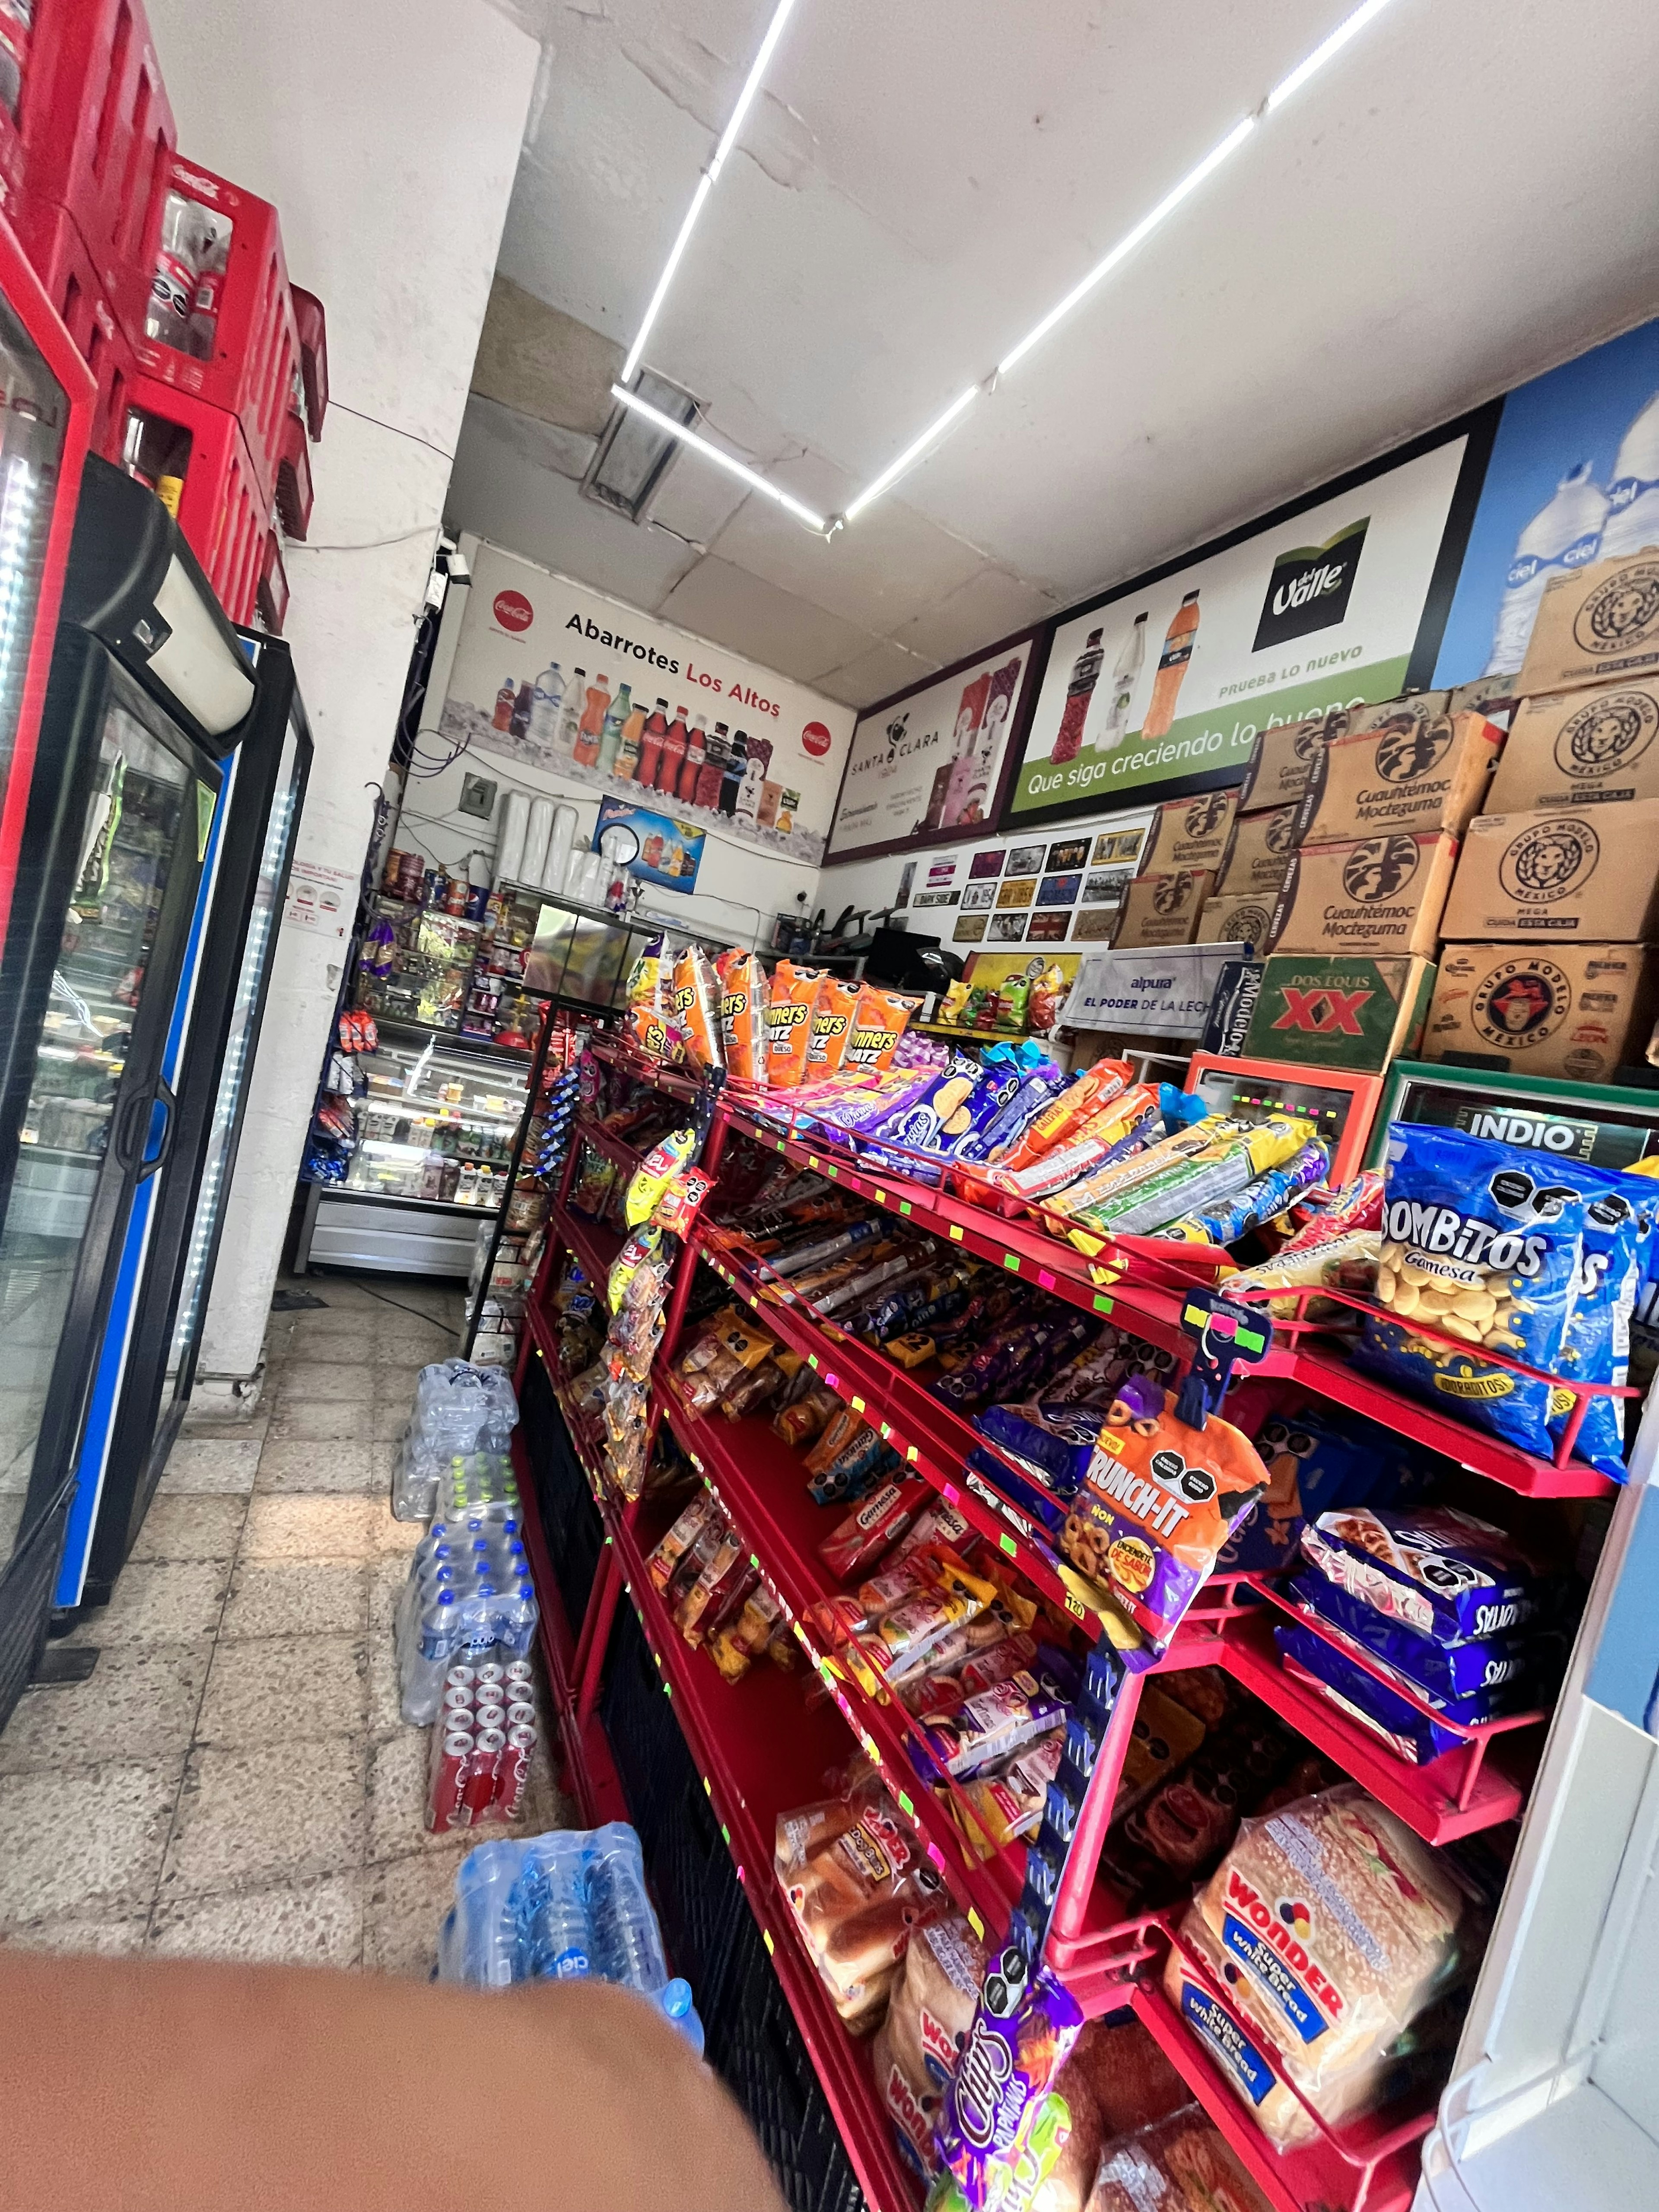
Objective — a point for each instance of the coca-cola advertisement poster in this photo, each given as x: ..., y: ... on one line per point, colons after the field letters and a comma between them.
x: 602, y: 698
x: 1158, y: 687
x: 927, y: 766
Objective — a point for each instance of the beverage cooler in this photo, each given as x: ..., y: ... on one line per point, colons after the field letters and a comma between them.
x: 116, y: 966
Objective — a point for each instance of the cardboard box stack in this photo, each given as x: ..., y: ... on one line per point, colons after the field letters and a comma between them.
x: 1555, y: 900
x: 1168, y: 897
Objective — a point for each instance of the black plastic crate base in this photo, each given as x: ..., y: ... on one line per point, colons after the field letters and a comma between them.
x: 570, y: 1520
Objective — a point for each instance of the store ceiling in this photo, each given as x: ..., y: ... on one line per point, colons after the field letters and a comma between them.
x: 1462, y: 198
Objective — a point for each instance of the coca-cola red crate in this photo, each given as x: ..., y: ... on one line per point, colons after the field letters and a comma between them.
x: 68, y: 276
x: 97, y: 132
x: 313, y: 356
x: 14, y: 68
x: 272, y: 594
x: 294, y: 491
x: 223, y: 247
x: 194, y: 457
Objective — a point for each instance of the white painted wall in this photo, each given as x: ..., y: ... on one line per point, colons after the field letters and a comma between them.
x: 388, y: 134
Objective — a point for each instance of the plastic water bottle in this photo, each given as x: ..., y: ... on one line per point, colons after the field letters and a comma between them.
x: 1563, y: 536
x: 427, y: 1657
x: 546, y: 707
x: 627, y: 1945
x: 478, y: 1942
x: 1633, y: 494
x: 516, y: 1622
x: 551, y: 1910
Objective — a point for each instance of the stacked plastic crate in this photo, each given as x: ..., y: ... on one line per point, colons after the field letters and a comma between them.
x: 212, y: 374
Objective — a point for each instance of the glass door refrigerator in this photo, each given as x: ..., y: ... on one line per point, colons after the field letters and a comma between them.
x: 147, y: 1357
x: 148, y: 692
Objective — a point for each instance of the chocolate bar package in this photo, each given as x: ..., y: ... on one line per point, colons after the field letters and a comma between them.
x: 1508, y: 1671
x: 1057, y: 1439
x: 1441, y: 1572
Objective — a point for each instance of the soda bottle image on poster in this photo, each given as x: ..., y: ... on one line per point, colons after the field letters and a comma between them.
x: 1172, y: 663
x: 1078, y: 692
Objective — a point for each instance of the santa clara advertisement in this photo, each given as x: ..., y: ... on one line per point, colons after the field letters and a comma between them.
x: 557, y: 678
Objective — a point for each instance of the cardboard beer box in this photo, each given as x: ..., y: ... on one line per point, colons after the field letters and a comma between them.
x: 1258, y: 852
x: 1281, y: 763
x: 1163, y: 909
x: 1407, y: 771
x: 1595, y: 624
x: 1563, y: 1010
x: 1388, y: 713
x: 1366, y: 894
x: 1580, y: 749
x: 1492, y: 695
x: 1551, y: 872
x: 1188, y: 833
x: 1330, y: 1010
x: 1243, y: 920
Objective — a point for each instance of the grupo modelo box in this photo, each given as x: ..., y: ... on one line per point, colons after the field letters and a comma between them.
x: 1590, y: 873
x: 1577, y: 1011
x: 1366, y: 894
x: 1589, y: 748
x: 1595, y: 624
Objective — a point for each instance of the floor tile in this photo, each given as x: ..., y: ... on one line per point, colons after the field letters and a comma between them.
x: 388, y: 1534
x: 395, y: 1385
x: 79, y: 1842
x: 403, y: 1904
x: 342, y: 1469
x: 210, y: 1420
x: 398, y: 1777
x: 158, y: 1601
x: 310, y: 1923
x: 318, y: 1380
x: 115, y: 1938
x: 330, y: 1339
x: 284, y: 1689
x: 279, y: 1813
x: 190, y: 1529
x: 295, y: 1597
x: 139, y: 1703
x: 314, y: 1529
x: 312, y: 1420
x: 387, y: 1578
x: 201, y: 1465
x: 412, y: 1344
x: 388, y: 1422
x: 385, y: 1696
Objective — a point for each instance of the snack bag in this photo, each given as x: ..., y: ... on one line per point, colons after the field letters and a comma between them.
x: 743, y: 1016
x: 831, y: 1022
x: 682, y: 1199
x: 1323, y: 1215
x: 789, y: 1010
x: 1049, y: 992
x: 1439, y: 1572
x: 1618, y: 1227
x: 655, y: 1174
x: 697, y: 1007
x: 1259, y: 1202
x: 880, y: 1020
x: 1158, y: 1504
x: 647, y: 1025
x: 1062, y: 1120
x: 1315, y: 1459
x: 1482, y: 1241
x: 1022, y: 2035
x: 1348, y: 1262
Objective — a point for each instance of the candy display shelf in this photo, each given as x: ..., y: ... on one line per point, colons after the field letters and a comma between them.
x: 761, y: 1749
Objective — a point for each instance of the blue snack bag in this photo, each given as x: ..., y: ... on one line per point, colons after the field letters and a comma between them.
x: 1440, y: 1572
x: 1507, y: 1672
x: 1059, y: 1439
x: 1411, y: 1736
x: 1619, y: 1218
x: 1480, y: 1241
x: 1315, y: 1460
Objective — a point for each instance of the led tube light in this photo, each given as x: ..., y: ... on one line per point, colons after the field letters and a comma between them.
x: 721, y: 458
x: 913, y: 452
x: 751, y: 85
x: 1316, y: 60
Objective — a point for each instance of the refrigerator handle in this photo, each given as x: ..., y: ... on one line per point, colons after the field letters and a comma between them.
x: 159, y: 1142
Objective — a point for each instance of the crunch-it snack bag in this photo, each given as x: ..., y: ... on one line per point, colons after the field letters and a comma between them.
x: 1158, y: 1501
x: 789, y: 1024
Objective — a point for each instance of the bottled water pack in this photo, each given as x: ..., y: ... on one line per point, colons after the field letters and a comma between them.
x: 468, y: 1600
x: 572, y: 1905
x: 459, y: 1409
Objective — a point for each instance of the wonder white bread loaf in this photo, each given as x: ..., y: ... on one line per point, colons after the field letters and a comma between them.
x: 1331, y: 1927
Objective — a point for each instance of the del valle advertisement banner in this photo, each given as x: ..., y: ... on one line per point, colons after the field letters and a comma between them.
x: 1160, y: 688
x: 557, y: 678
x: 926, y: 766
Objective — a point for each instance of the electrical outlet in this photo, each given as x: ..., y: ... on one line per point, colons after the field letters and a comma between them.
x: 477, y: 796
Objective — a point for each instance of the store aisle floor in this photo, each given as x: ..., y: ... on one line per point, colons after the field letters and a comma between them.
x: 233, y: 1779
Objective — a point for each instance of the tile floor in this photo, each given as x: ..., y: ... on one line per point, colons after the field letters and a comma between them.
x: 234, y: 1779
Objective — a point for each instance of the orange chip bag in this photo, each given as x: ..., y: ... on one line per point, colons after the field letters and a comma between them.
x: 645, y: 1025
x: 880, y: 1020
x: 789, y: 1023
x: 696, y: 1007
x: 1158, y: 1501
x: 1063, y: 1117
x: 743, y: 1015
x: 832, y: 1020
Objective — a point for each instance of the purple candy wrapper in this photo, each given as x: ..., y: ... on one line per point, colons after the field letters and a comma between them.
x: 1021, y: 2036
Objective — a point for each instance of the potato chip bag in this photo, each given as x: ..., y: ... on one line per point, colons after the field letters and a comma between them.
x: 880, y: 1020
x: 696, y: 1007
x: 790, y: 1007
x: 647, y: 1025
x: 743, y: 1015
x: 1159, y: 1501
x: 829, y: 1027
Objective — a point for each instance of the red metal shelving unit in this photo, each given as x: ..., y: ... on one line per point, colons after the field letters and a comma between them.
x: 753, y: 1767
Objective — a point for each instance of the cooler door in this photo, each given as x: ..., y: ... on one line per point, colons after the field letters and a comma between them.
x: 92, y: 1123
x: 237, y: 1065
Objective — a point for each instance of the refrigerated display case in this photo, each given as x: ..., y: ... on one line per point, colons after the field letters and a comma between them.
x: 147, y: 1357
x: 147, y: 689
x: 434, y: 1128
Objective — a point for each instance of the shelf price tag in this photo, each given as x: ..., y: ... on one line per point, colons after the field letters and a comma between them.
x: 957, y: 1232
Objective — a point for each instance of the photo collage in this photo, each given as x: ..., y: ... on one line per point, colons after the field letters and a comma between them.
x: 1046, y: 893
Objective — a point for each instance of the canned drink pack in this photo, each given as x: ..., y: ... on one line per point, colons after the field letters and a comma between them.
x: 478, y: 1790
x: 514, y: 1773
x: 452, y: 1767
x: 521, y: 1714
x: 520, y: 1670
x: 491, y: 1671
